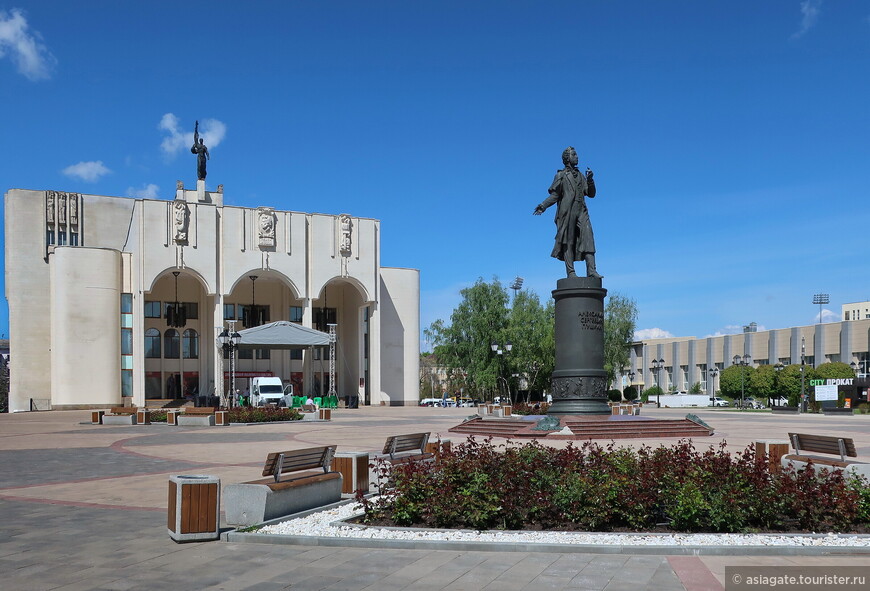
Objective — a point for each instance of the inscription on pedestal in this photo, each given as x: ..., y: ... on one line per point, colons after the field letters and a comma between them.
x: 591, y: 320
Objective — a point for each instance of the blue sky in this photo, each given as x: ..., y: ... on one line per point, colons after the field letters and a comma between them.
x: 729, y: 139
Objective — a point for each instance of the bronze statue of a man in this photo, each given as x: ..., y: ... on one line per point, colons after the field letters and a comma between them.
x: 574, y: 238
x: 201, y: 152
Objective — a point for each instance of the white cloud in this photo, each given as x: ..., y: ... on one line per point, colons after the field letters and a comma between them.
x: 87, y: 171
x: 211, y: 131
x: 149, y: 191
x: 734, y: 329
x: 23, y: 46
x: 810, y: 14
x: 827, y: 316
x: 651, y: 333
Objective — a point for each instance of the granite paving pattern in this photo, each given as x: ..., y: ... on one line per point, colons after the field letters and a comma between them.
x: 84, y: 507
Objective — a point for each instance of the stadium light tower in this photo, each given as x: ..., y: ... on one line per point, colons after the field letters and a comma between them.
x: 820, y: 299
x: 516, y: 286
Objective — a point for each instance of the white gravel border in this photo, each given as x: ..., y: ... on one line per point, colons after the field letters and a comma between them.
x: 328, y: 524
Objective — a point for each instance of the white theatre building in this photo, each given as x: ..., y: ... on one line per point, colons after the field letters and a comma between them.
x: 115, y: 300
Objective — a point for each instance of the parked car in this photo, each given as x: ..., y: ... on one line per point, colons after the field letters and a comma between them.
x: 716, y: 401
x: 465, y: 402
x: 430, y: 402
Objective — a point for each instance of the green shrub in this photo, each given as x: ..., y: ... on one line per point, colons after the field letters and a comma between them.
x: 630, y: 393
x: 482, y: 486
x: 614, y: 395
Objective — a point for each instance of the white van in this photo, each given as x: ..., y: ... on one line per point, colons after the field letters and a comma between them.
x: 270, y: 390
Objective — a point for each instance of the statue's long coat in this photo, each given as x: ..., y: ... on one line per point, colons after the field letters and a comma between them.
x: 572, y: 218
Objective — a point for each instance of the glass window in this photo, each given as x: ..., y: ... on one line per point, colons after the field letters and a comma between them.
x: 324, y: 316
x: 49, y: 237
x: 254, y: 315
x: 152, y: 343
x: 229, y: 311
x: 74, y: 238
x: 126, y: 341
x: 296, y: 354
x: 191, y: 310
x: 61, y: 238
x: 296, y: 314
x: 126, y: 303
x: 191, y: 344
x: 264, y: 354
x: 246, y: 353
x: 126, y: 383
x: 152, y: 309
x: 171, y: 345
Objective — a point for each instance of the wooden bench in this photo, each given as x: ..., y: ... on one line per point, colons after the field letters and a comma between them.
x: 411, y: 446
x: 207, y: 416
x: 120, y: 415
x: 297, y: 480
x: 825, y: 444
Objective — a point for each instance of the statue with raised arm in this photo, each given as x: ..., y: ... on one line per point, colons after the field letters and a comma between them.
x: 574, y: 238
x: 201, y: 152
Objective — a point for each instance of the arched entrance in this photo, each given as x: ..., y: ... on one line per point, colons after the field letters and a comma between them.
x: 343, y: 302
x: 176, y: 327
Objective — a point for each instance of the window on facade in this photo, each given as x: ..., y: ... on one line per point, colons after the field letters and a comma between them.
x: 322, y: 317
x: 192, y: 310
x: 126, y: 341
x: 296, y: 314
x: 126, y: 382
x: 246, y: 353
x: 296, y: 354
x: 171, y: 344
x: 152, y: 343
x: 191, y: 344
x: 229, y: 311
x: 254, y: 315
x: 49, y: 237
x: 126, y: 303
x: 61, y: 238
x: 74, y: 238
x: 152, y: 309
x: 263, y: 354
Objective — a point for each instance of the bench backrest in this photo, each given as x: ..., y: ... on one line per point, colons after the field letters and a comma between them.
x: 199, y: 410
x: 123, y: 410
x: 284, y: 462
x: 825, y: 444
x: 411, y: 442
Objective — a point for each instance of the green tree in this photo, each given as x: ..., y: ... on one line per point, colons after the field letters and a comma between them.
x: 696, y: 388
x: 463, y: 346
x: 762, y: 383
x: 531, y: 330
x: 789, y: 382
x: 735, y: 379
x: 833, y: 370
x: 620, y: 320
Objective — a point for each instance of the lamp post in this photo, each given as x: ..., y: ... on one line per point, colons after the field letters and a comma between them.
x: 230, y: 343
x: 499, y: 351
x: 742, y: 362
x: 656, y: 368
x: 778, y: 367
x: 713, y: 375
x: 630, y: 376
x: 803, y: 362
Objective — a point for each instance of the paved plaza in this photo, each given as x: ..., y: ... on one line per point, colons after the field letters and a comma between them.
x: 84, y: 507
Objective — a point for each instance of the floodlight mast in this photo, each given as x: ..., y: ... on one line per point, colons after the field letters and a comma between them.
x: 821, y: 299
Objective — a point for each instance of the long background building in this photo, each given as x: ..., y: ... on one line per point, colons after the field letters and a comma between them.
x: 689, y: 360
x: 115, y: 300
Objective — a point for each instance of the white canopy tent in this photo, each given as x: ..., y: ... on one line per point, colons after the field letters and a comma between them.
x: 282, y: 335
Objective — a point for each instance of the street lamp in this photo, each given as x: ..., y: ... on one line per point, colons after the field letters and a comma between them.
x: 713, y: 374
x: 499, y: 351
x: 655, y: 368
x: 803, y: 362
x: 230, y: 343
x: 742, y: 362
x: 630, y: 375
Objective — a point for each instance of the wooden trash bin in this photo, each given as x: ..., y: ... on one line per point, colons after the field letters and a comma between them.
x: 193, y: 514
x: 143, y: 416
x: 354, y: 469
x: 221, y: 418
x: 774, y: 449
x: 97, y: 417
x: 325, y: 414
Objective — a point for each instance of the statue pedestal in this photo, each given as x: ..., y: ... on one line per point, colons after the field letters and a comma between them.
x: 579, y: 382
x: 200, y: 190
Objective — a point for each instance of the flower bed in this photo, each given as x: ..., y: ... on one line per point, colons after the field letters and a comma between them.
x: 536, y: 408
x: 246, y: 415
x: 481, y: 486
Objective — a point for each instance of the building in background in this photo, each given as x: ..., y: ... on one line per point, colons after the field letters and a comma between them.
x: 689, y: 360
x: 115, y: 300
x: 855, y: 311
